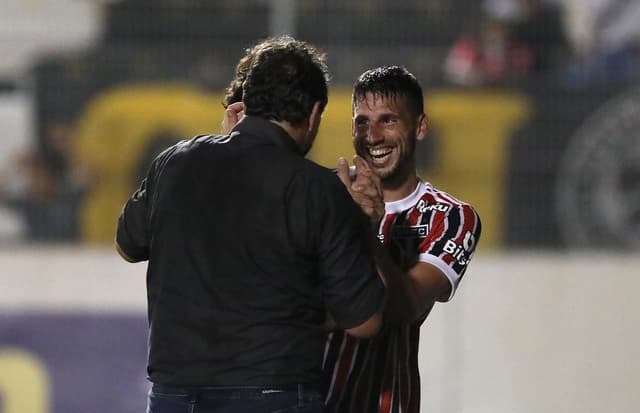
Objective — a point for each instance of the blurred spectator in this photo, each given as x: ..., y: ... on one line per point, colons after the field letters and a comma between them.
x: 605, y: 37
x: 540, y: 26
x: 491, y: 57
x: 518, y: 38
x: 45, y: 188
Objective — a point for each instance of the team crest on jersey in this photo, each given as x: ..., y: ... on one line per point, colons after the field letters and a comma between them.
x: 423, y: 206
x: 418, y: 231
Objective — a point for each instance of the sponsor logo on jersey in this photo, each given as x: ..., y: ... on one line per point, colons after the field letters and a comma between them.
x: 461, y: 253
x: 457, y: 252
x: 424, y: 206
x: 469, y: 241
x: 418, y: 231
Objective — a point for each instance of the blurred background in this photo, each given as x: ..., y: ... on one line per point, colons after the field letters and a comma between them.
x: 535, y: 115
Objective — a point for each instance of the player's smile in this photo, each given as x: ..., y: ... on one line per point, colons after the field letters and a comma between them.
x: 379, y: 156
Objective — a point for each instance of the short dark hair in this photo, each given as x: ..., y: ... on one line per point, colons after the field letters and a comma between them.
x: 285, y: 78
x: 390, y: 82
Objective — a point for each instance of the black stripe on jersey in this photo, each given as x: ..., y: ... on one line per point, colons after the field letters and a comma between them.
x: 376, y: 381
x: 425, y: 219
x: 406, y: 238
x: 392, y: 381
x: 453, y: 219
x: 334, y: 340
x: 401, y: 219
x: 348, y: 397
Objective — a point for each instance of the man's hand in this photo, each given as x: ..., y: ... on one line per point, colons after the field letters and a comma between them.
x: 364, y: 187
x: 232, y: 116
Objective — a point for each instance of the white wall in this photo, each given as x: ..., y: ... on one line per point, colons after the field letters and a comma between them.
x: 537, y: 333
x: 524, y: 334
x: 29, y: 28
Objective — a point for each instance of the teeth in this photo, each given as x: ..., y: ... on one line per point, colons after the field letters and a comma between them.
x: 379, y: 151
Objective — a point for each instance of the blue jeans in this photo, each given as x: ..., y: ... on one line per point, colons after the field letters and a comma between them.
x: 289, y: 399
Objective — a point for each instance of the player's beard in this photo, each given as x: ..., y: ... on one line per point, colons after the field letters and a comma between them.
x: 397, y: 172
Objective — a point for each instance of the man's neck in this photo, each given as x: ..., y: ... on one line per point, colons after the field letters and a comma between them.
x: 296, y: 132
x: 395, y: 191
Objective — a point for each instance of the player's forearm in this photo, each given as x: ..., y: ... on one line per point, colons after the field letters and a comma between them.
x: 403, y: 304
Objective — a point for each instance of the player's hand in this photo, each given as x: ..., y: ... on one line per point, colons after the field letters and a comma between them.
x: 364, y: 187
x: 346, y: 173
x: 232, y: 116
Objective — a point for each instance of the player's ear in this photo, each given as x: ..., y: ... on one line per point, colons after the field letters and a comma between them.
x: 422, y: 128
x: 315, y: 117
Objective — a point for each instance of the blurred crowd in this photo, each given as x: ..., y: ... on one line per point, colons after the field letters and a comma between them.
x: 43, y: 186
x: 575, y: 44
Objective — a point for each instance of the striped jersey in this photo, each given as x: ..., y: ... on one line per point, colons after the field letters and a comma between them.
x: 380, y: 375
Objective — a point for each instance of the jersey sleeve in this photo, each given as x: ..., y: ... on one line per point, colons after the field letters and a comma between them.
x: 451, y: 243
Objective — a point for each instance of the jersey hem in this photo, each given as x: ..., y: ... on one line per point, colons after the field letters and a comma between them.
x: 449, y: 272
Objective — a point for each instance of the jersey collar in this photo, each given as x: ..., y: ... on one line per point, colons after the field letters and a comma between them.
x: 407, y: 202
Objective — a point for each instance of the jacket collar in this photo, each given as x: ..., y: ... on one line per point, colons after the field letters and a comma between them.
x: 264, y: 129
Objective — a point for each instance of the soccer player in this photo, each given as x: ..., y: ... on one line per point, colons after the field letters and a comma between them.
x: 249, y: 245
x: 426, y: 239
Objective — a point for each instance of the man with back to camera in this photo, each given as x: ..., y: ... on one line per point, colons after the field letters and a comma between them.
x: 249, y: 245
x: 426, y: 241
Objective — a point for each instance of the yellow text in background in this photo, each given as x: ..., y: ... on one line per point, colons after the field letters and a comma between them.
x: 24, y: 383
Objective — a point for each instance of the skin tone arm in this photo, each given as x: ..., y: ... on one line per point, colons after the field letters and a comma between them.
x: 367, y: 329
x: 409, y: 294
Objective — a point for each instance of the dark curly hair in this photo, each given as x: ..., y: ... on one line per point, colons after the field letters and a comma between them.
x: 233, y: 92
x: 284, y: 78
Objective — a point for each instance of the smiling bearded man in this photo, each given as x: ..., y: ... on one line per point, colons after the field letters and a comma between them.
x: 426, y: 239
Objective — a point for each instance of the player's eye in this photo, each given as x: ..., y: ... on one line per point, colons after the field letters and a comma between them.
x: 361, y: 121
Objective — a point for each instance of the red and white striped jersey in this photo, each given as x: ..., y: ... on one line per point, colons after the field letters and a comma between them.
x: 380, y: 375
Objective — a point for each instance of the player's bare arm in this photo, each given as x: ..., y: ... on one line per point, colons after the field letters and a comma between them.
x: 368, y: 328
x: 412, y: 293
x: 364, y: 330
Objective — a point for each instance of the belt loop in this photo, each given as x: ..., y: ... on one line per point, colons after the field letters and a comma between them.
x: 300, y: 395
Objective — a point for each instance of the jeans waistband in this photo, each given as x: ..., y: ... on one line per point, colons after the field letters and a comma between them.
x: 219, y: 390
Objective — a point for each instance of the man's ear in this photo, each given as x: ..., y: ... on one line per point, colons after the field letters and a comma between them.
x: 315, y: 116
x: 422, y: 128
